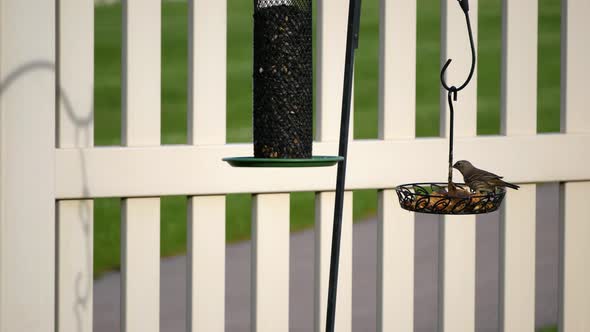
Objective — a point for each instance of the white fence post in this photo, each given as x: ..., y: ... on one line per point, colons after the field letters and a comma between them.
x: 397, y: 120
x: 457, y: 233
x: 140, y: 222
x: 575, y: 119
x: 519, y: 117
x: 27, y: 170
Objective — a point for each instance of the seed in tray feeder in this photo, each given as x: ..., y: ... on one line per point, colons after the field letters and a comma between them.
x: 456, y: 191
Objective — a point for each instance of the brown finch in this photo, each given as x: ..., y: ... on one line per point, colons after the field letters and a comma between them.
x: 479, y: 180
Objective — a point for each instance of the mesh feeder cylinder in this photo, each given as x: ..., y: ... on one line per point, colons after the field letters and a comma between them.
x: 282, y: 79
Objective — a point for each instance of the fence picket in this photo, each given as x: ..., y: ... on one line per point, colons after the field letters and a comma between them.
x: 575, y: 67
x: 397, y: 119
x: 574, y: 265
x: 74, y: 265
x: 270, y: 263
x: 575, y: 119
x: 519, y: 117
x: 397, y: 73
x: 519, y: 67
x: 395, y: 259
x: 141, y: 73
x: 206, y: 217
x: 457, y: 233
x: 140, y: 222
x: 324, y: 218
x: 206, y: 264
x: 75, y: 117
x: 140, y: 263
x: 207, y: 72
x: 331, y: 44
x: 456, y: 302
x: 517, y: 260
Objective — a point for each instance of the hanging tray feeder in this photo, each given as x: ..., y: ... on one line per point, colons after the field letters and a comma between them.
x: 436, y: 198
x: 450, y: 197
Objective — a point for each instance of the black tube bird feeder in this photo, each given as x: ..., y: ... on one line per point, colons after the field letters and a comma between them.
x: 282, y: 77
x: 282, y: 74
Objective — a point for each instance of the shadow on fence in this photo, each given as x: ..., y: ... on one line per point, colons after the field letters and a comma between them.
x: 83, y: 284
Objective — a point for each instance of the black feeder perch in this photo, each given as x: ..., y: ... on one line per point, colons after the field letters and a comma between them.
x: 450, y: 197
x: 283, y: 87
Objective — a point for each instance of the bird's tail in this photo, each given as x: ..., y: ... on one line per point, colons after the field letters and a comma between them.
x: 511, y: 185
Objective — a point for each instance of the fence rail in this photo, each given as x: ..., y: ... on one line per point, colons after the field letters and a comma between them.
x: 198, y: 170
x: 50, y: 172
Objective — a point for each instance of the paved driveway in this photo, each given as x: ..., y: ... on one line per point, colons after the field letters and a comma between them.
x: 173, y: 280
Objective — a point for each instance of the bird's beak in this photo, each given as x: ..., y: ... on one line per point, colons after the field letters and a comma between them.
x: 455, y: 166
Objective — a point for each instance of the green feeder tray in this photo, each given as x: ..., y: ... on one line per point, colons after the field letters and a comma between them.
x: 314, y: 161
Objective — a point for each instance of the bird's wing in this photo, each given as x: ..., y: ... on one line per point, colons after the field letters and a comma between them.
x: 490, y: 175
x: 481, y: 175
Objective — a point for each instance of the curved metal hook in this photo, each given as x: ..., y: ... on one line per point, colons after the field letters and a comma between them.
x: 465, y: 7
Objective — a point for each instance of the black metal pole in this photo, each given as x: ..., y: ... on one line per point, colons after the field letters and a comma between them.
x: 451, y: 134
x: 351, y: 44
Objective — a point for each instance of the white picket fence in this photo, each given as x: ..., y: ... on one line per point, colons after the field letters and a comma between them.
x: 50, y: 172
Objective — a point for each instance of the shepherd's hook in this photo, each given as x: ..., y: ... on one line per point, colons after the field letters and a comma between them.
x: 465, y: 7
x: 452, y: 90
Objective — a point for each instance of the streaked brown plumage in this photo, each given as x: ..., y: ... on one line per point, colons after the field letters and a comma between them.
x: 479, y: 180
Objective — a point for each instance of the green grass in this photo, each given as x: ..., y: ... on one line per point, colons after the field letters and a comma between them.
x: 239, y: 100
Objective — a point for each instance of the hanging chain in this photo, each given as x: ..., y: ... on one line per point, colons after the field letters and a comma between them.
x: 452, y: 90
